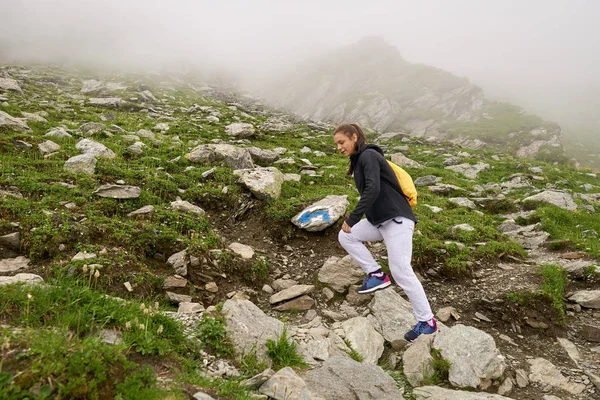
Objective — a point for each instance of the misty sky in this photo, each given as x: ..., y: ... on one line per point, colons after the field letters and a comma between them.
x: 504, y: 45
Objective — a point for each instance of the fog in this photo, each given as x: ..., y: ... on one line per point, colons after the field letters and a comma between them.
x: 543, y: 55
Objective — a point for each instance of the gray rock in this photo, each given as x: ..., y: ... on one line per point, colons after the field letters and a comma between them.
x: 364, y: 338
x: 137, y: 148
x: 284, y: 385
x: 281, y: 284
x: 190, y: 308
x: 438, y: 393
x: 12, y: 123
x: 570, y: 349
x: 98, y: 150
x: 58, y: 133
x: 111, y: 336
x: 462, y: 227
x: 340, y: 273
x: 393, y: 316
x: 403, y: 161
x: 34, y: 117
x: 118, y: 191
x: 344, y: 378
x: 263, y: 182
x: 427, y: 180
x: 522, y: 379
x: 391, y: 136
x: 545, y: 373
x: 555, y: 197
x: 256, y: 381
x: 242, y: 250
x: 417, y: 360
x: 263, y: 156
x: 27, y: 279
x: 448, y: 162
x: 48, y: 147
x: 178, y: 298
x: 240, y: 130
x: 444, y: 188
x: 234, y: 157
x: 83, y: 163
x: 249, y: 327
x: 587, y: 298
x: 7, y: 84
x: 179, y: 261
x: 590, y: 332
x: 187, y: 207
x: 9, y: 265
x: 11, y: 240
x: 202, y: 396
x: 468, y: 170
x: 475, y: 360
x: 276, y: 125
x: 90, y: 128
x: 146, y: 210
x: 463, y: 202
x: 290, y: 293
x: 322, y: 214
x: 298, y: 304
x: 111, y: 102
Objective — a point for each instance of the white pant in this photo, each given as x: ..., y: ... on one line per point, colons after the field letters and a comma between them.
x: 397, y: 235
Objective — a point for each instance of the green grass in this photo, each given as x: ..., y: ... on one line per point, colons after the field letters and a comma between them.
x: 441, y: 368
x: 283, y: 351
x: 553, y: 285
x: 213, y: 335
x: 355, y: 355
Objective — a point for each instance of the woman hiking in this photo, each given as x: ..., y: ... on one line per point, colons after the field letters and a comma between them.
x: 389, y: 218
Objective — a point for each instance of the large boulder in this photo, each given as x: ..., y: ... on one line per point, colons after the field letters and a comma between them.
x: 322, y: 214
x: 249, y: 327
x: 83, y: 163
x: 475, y: 360
x: 344, y: 378
x: 264, y: 182
x: 286, y: 385
x: 438, y: 393
x: 364, y: 338
x: 392, y: 315
x: 403, y: 161
x: 7, y: 84
x: 16, y: 124
x: 340, y: 273
x: 240, y: 130
x: 556, y: 197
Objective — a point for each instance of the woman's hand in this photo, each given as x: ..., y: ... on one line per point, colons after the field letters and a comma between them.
x: 346, y: 228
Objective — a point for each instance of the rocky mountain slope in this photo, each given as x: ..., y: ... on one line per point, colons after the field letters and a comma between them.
x: 370, y: 83
x: 164, y: 238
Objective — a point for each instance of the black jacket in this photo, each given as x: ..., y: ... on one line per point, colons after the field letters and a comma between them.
x: 380, y: 195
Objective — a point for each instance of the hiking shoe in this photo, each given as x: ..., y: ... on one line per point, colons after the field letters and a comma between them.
x: 422, y: 327
x: 372, y: 283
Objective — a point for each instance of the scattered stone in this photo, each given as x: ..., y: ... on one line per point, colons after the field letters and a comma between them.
x: 146, y: 210
x: 12, y: 123
x: 11, y: 240
x: 128, y: 287
x: 264, y: 182
x: 178, y: 298
x: 256, y: 381
x: 9, y: 265
x: 570, y: 348
x: 405, y: 162
x: 522, y: 379
x: 427, y: 180
x: 185, y: 206
x: 418, y: 362
x: 284, y: 385
x: 190, y: 308
x: 84, y: 255
x: 179, y: 262
x: 364, y: 338
x: 393, y: 316
x: 438, y: 393
x: 172, y: 282
x: 242, y: 250
x: 27, y: 279
x: 211, y: 287
x: 7, y: 84
x: 340, y: 273
x: 590, y: 333
x: 240, y: 130
x: 546, y: 374
x: 48, y: 147
x: 98, y: 150
x: 113, y: 102
x: 34, y: 117
x: 83, y: 163
x: 298, y: 304
x: 462, y: 202
x: 468, y: 170
x: 555, y: 197
x: 290, y: 293
x: 587, y: 298
x: 111, y: 336
x: 118, y: 191
x: 58, y: 133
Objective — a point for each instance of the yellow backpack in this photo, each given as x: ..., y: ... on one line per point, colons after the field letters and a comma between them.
x: 406, y: 184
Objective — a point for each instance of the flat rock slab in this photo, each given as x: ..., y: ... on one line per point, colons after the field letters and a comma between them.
x: 290, y: 293
x: 28, y: 279
x: 240, y: 130
x: 242, y: 250
x: 186, y: 206
x: 555, y: 197
x: 118, y: 191
x: 344, y: 378
x: 301, y: 303
x: 587, y: 298
x: 9, y: 265
x: 545, y: 373
x: 438, y: 393
x: 322, y: 214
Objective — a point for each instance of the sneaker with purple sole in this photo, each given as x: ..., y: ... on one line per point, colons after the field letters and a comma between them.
x: 421, y: 328
x: 372, y: 283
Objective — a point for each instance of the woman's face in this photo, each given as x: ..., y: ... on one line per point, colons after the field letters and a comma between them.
x: 345, y: 145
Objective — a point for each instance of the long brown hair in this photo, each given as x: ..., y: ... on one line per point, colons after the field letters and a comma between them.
x: 349, y: 130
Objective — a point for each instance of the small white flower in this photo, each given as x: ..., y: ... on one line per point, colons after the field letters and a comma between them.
x: 29, y: 296
x: 159, y: 330
x: 97, y: 274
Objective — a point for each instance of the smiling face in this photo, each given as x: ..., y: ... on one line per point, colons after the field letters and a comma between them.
x: 345, y: 145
